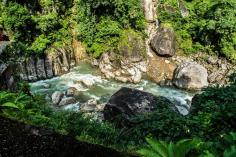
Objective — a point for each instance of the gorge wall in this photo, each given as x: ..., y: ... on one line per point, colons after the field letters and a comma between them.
x: 33, y: 68
x: 54, y: 63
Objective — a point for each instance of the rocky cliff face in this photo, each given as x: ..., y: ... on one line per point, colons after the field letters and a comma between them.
x: 33, y: 68
x: 57, y: 62
x: 8, y: 78
x: 129, y: 64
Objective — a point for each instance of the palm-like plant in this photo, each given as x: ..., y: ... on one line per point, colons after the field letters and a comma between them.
x: 164, y: 149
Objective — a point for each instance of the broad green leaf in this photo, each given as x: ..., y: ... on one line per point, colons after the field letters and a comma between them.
x: 10, y: 105
x: 159, y: 147
x: 148, y: 153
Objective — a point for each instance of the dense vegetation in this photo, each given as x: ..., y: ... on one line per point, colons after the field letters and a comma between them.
x: 99, y: 24
x: 210, y: 25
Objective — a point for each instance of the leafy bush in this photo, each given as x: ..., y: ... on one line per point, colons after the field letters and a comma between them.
x: 188, y: 147
x: 17, y: 21
x: 164, y: 149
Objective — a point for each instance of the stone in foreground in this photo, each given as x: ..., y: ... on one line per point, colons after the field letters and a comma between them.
x: 190, y: 76
x: 128, y: 103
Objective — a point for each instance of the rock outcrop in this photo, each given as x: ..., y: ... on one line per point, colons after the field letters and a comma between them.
x: 8, y: 79
x: 54, y: 63
x: 129, y: 64
x: 149, y: 7
x: 190, y: 76
x: 161, y: 70
x: 128, y: 103
x: 163, y: 43
x: 8, y: 71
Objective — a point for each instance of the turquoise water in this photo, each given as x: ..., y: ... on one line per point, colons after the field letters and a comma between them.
x: 103, y: 89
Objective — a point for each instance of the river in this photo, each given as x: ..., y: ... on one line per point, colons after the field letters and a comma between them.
x: 103, y: 89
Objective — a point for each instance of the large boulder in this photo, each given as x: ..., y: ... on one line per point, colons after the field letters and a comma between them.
x: 128, y: 103
x: 163, y: 43
x: 190, y: 76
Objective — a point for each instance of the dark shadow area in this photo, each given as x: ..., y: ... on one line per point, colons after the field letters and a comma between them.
x: 18, y: 139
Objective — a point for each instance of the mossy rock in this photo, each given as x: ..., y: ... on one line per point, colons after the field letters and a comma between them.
x: 131, y: 45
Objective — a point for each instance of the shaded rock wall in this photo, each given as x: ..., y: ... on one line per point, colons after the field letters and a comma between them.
x: 57, y: 62
x: 33, y: 68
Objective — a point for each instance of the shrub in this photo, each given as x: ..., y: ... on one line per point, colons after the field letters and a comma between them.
x: 210, y: 23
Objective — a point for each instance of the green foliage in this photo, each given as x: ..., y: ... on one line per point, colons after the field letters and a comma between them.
x: 17, y: 21
x: 41, y: 24
x: 100, y: 23
x: 209, y: 24
x: 164, y: 149
x: 188, y: 147
x: 221, y: 100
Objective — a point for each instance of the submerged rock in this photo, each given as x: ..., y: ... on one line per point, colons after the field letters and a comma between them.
x: 128, y: 103
x: 191, y: 76
x: 56, y: 97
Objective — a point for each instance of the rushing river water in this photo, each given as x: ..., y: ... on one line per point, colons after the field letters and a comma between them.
x: 103, y: 89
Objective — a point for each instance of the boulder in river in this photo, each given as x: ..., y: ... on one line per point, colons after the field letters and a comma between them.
x: 163, y: 43
x: 67, y: 101
x: 56, y: 97
x: 128, y: 103
x: 72, y: 91
x: 191, y: 76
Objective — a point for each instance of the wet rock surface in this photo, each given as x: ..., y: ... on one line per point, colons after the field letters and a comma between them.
x: 18, y: 139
